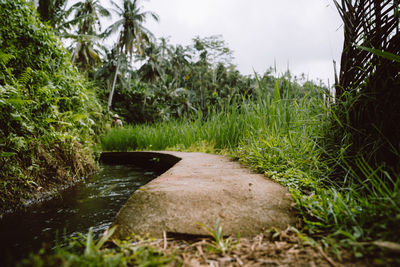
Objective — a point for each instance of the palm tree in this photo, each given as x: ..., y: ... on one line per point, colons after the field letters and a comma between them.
x: 157, y: 60
x: 104, y: 75
x: 150, y: 70
x: 179, y: 59
x: 165, y: 48
x: 132, y: 36
x: 86, y: 18
x: 85, y: 54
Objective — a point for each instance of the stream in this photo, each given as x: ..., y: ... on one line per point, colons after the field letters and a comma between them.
x: 92, y: 203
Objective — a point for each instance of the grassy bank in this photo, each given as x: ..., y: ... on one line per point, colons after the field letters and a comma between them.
x: 282, y: 135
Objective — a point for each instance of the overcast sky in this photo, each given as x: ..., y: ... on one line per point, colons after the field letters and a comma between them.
x: 306, y: 34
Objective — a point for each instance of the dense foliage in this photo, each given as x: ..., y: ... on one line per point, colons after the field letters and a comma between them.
x: 172, y: 81
x: 175, y: 81
x: 47, y: 109
x: 339, y: 158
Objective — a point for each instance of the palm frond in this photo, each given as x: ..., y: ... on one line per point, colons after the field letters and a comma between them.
x: 112, y: 28
x: 369, y: 84
x: 367, y: 23
x: 118, y: 8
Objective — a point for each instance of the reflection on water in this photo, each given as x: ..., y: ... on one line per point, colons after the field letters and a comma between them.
x: 93, y: 203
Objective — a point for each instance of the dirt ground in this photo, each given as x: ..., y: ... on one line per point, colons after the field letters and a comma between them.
x: 268, y: 249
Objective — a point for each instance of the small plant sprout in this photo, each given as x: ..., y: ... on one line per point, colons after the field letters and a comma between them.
x: 93, y: 249
x: 219, y: 245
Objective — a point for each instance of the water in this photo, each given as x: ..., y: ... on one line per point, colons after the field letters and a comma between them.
x: 92, y: 203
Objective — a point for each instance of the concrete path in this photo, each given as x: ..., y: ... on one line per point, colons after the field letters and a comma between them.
x: 201, y: 188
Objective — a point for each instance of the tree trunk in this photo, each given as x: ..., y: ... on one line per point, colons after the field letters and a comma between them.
x: 110, y: 97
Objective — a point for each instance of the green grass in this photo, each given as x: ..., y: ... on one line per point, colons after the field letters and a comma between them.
x: 281, y: 135
x: 225, y: 129
x: 84, y: 251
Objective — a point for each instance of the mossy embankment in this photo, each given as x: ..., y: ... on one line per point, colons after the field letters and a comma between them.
x: 49, y: 113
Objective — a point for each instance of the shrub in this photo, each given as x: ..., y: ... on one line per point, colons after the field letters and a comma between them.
x: 48, y: 111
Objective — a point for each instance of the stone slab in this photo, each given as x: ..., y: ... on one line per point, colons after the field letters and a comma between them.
x: 202, y: 188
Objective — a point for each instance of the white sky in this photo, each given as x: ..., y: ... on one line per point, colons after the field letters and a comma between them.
x: 304, y: 34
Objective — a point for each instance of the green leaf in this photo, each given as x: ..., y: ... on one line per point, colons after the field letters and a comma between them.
x: 90, y: 247
x: 380, y: 53
x: 7, y: 154
x: 18, y: 101
x: 77, y: 117
x: 25, y: 77
x: 277, y: 93
x: 107, y: 234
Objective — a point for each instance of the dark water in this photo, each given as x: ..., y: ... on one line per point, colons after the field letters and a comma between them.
x: 92, y: 203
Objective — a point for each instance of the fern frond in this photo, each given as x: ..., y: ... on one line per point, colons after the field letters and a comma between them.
x: 25, y: 77
x: 5, y: 58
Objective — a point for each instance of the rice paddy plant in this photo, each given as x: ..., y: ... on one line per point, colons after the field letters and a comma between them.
x: 226, y: 126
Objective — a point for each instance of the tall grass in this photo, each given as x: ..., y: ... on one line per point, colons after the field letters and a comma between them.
x: 226, y: 127
x: 281, y: 134
x: 223, y: 129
